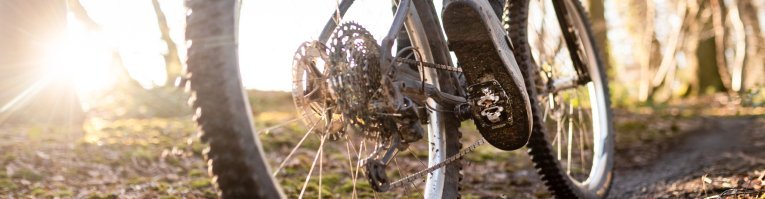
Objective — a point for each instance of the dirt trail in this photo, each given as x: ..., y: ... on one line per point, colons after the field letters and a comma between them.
x: 720, y: 146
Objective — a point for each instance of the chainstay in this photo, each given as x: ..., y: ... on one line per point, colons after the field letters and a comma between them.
x: 420, y: 174
x: 429, y: 65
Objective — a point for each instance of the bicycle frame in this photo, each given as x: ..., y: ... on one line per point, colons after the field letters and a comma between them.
x: 570, y: 35
x: 418, y: 18
x: 244, y: 168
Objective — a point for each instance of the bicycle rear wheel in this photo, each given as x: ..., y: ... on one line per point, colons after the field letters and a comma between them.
x: 572, y: 140
x: 282, y: 158
x: 234, y: 155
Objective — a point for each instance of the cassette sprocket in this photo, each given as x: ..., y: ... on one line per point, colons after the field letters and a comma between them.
x: 356, y: 78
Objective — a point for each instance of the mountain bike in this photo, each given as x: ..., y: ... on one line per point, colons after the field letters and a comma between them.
x: 371, y: 111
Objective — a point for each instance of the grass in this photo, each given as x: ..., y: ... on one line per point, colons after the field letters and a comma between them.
x: 147, y: 151
x: 200, y: 183
x: 7, y: 185
x: 140, y: 158
x: 27, y: 174
x: 275, y: 108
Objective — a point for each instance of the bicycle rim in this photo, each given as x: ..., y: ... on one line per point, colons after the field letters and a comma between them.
x: 572, y: 142
x: 291, y: 159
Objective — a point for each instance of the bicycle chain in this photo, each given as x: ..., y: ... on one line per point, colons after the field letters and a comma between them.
x: 422, y: 173
x: 341, y: 52
x: 429, y: 65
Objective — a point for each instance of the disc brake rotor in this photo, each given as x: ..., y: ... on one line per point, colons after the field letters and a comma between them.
x: 311, y: 93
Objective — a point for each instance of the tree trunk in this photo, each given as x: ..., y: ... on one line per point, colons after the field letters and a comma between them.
x: 600, y: 30
x: 689, y: 45
x: 718, y: 23
x: 708, y: 79
x: 631, y: 72
x: 754, y: 75
x: 28, y: 30
x: 736, y: 66
x: 664, y: 58
x: 701, y: 74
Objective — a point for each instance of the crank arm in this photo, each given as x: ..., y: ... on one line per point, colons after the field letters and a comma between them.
x: 415, y: 88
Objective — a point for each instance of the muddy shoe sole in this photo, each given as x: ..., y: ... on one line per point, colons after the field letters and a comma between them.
x: 499, y: 104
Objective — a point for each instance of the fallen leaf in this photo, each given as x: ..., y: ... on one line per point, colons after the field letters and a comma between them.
x: 706, y: 179
x: 93, y: 173
x: 727, y: 184
x: 43, y: 155
x: 10, y: 170
x: 57, y: 178
x: 172, y: 177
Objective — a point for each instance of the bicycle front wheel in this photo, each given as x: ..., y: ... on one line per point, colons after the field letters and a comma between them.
x: 572, y: 139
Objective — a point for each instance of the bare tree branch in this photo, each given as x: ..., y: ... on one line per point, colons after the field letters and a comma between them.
x: 172, y: 60
x: 644, y: 56
x: 79, y: 12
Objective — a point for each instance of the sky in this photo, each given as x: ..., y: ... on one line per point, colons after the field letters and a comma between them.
x: 131, y: 27
x: 271, y: 32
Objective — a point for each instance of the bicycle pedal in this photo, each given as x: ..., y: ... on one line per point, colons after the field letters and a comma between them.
x: 499, y: 104
x: 489, y: 105
x: 490, y: 108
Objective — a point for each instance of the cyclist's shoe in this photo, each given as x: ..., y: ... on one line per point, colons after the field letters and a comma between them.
x: 498, y: 102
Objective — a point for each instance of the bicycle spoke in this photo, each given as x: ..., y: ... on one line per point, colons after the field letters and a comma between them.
x: 546, y: 109
x: 414, y: 154
x: 311, y: 79
x: 558, y: 138
x: 289, y: 156
x: 350, y: 162
x: 321, y: 167
x: 570, y: 138
x: 282, y: 124
x: 588, y: 114
x: 581, y: 133
x: 267, y: 130
x: 358, y: 166
x: 401, y: 174
x: 566, y: 109
x: 313, y: 165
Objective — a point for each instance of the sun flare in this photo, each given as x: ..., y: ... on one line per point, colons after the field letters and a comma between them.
x: 81, y: 57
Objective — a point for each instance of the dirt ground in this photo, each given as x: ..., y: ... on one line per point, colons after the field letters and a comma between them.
x: 670, y: 153
x: 718, y: 156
